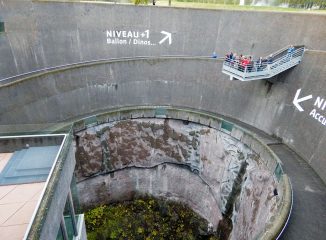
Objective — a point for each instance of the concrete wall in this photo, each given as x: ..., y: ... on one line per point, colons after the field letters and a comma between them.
x: 300, y: 130
x: 42, y: 34
x: 158, y: 182
x: 45, y: 34
x: 194, y: 83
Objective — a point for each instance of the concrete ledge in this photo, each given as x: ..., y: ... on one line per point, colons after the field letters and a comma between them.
x: 47, y: 219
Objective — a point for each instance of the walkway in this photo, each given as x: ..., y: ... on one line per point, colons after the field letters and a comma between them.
x: 248, y: 70
x: 308, y: 219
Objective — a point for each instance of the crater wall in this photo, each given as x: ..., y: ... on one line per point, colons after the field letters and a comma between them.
x: 179, y: 161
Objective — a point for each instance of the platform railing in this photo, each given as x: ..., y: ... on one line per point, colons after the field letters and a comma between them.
x: 247, y: 70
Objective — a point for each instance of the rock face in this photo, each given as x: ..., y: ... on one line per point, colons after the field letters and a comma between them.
x: 136, y: 143
x: 181, y: 161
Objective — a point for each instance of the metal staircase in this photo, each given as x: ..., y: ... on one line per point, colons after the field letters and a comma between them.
x: 268, y: 67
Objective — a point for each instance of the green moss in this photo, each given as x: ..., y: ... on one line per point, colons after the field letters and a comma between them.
x: 147, y: 219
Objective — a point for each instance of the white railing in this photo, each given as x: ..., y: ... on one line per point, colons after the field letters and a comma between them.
x: 247, y: 70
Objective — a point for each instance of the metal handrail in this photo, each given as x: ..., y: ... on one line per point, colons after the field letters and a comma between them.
x: 288, y: 57
x: 278, y: 51
x: 96, y: 61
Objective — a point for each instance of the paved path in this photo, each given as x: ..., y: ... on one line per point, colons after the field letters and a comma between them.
x: 308, y: 219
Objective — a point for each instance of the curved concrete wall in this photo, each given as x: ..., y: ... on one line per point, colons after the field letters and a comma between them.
x: 187, y: 82
x: 45, y: 34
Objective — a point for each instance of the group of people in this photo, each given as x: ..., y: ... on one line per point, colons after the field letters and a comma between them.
x: 246, y: 63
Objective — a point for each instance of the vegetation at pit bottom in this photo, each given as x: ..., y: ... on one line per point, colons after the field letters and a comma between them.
x: 146, y: 219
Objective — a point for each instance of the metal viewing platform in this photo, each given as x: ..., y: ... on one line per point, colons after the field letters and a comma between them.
x: 264, y: 68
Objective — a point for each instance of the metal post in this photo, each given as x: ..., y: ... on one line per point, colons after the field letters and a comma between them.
x: 72, y: 213
x: 63, y: 228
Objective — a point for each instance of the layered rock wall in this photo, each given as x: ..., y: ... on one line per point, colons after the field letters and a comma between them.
x: 177, y: 160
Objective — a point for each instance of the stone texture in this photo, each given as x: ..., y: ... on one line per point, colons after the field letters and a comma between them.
x: 158, y: 156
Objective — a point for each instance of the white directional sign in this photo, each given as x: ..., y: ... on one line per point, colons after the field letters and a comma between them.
x: 318, y: 107
x: 132, y: 37
x: 167, y: 36
x: 297, y: 100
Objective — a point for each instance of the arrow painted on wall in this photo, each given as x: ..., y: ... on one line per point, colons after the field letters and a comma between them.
x: 297, y: 100
x: 167, y: 36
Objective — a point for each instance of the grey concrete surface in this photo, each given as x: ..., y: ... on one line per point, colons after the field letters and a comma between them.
x: 307, y: 221
x: 187, y: 82
x: 40, y: 34
x: 166, y: 181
